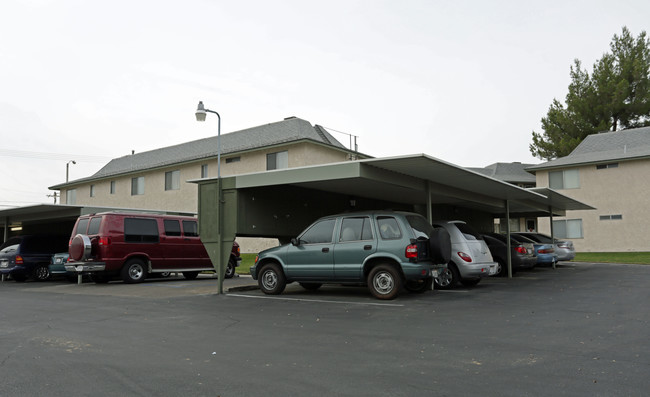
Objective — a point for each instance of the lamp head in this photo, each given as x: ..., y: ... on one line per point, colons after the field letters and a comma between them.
x: 200, y: 112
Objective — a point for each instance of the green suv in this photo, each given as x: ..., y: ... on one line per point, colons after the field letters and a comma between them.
x: 385, y: 250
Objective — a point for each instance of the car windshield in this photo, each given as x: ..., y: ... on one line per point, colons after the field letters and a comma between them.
x: 420, y: 226
x: 9, y: 248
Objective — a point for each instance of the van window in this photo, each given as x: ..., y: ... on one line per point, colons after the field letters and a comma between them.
x: 140, y: 230
x: 93, y: 227
x: 172, y: 227
x: 82, y: 226
x: 190, y: 229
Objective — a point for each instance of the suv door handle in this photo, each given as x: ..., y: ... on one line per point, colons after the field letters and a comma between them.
x: 367, y: 247
x: 325, y: 250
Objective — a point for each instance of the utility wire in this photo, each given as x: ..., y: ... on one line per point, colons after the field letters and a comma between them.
x: 53, y: 156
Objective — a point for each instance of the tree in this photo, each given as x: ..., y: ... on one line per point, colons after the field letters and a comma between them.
x: 615, y: 96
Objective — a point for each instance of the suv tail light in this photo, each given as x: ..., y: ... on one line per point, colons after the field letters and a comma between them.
x: 464, y: 256
x: 521, y: 250
x: 104, y: 241
x: 411, y: 251
x: 19, y: 260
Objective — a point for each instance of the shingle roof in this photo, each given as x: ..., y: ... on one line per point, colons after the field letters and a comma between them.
x: 285, y: 131
x: 507, y: 172
x: 607, y: 146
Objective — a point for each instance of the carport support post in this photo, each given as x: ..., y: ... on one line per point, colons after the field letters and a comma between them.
x: 550, y: 211
x: 508, y: 245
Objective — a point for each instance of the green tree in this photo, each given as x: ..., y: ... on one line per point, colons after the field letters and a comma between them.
x: 615, y: 96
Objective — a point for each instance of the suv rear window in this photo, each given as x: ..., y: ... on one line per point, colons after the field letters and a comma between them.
x: 190, y: 229
x: 355, y: 229
x: 421, y: 227
x: 82, y: 226
x: 140, y: 230
x: 388, y: 228
x: 172, y: 227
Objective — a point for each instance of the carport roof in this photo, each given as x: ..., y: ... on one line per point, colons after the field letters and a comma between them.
x: 406, y: 179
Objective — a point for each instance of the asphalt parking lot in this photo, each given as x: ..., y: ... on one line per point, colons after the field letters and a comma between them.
x: 579, y: 330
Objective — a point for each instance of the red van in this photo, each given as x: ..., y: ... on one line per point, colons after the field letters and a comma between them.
x: 135, y: 245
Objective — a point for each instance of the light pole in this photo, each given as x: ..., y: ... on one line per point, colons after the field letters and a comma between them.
x: 67, y: 169
x: 201, y: 113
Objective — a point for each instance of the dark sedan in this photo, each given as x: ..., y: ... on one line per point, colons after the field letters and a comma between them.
x: 522, y: 255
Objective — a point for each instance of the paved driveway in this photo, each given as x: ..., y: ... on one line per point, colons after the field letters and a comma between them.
x: 580, y: 330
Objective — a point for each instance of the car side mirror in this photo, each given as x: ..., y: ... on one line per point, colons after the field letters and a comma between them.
x: 295, y: 242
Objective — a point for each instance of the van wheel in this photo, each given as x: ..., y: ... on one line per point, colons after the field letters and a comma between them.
x: 271, y: 279
x: 190, y: 275
x: 134, y: 271
x: 230, y: 269
x: 41, y: 273
x: 384, y: 282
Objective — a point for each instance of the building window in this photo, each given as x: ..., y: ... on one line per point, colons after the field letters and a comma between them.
x: 276, y: 161
x: 71, y: 196
x: 611, y: 217
x: 92, y: 190
x: 568, y: 179
x: 112, y: 187
x: 568, y: 228
x: 172, y: 180
x: 605, y: 166
x: 233, y: 160
x: 204, y: 171
x: 137, y: 186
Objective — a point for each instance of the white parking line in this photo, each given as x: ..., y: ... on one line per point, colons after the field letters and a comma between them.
x: 317, y: 300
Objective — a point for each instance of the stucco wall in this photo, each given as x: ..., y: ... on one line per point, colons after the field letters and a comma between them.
x: 613, y: 191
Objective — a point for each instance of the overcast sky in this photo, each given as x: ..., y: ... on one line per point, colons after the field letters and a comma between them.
x: 463, y: 81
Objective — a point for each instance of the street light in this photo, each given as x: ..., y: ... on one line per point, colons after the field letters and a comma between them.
x: 67, y: 169
x: 201, y: 113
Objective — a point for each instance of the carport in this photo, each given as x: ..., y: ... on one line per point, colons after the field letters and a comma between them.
x: 281, y: 203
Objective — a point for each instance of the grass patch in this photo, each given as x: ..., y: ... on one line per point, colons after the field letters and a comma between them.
x: 247, y: 260
x: 642, y: 258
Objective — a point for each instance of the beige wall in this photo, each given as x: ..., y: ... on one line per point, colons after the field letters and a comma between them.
x: 155, y: 196
x: 613, y: 191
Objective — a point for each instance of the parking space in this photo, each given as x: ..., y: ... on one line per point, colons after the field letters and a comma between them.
x: 581, y: 329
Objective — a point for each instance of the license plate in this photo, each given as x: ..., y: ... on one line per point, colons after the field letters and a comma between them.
x: 4, y: 264
x: 434, y: 273
x: 58, y: 260
x: 493, y: 270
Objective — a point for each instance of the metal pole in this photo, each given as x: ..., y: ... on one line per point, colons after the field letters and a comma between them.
x: 550, y: 210
x: 508, y: 245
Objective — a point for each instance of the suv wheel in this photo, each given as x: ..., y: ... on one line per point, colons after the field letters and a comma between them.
x: 384, y: 282
x: 134, y: 271
x: 448, y: 277
x: 271, y: 279
x: 41, y: 273
x: 230, y: 269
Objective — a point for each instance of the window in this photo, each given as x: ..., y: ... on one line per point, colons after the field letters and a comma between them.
x: 93, y: 226
x: 140, y: 230
x: 388, y: 228
x: 233, y: 160
x: 611, y: 217
x: 112, y: 187
x: 568, y: 179
x: 190, y: 229
x: 355, y: 229
x: 276, y: 161
x: 172, y: 180
x: 172, y: 227
x: 321, y: 232
x: 71, y: 196
x: 137, y: 186
x: 605, y: 166
x: 569, y: 228
x: 204, y: 171
x: 92, y: 190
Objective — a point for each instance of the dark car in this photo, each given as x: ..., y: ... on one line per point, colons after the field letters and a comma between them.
x: 384, y: 250
x: 24, y: 257
x: 521, y: 254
